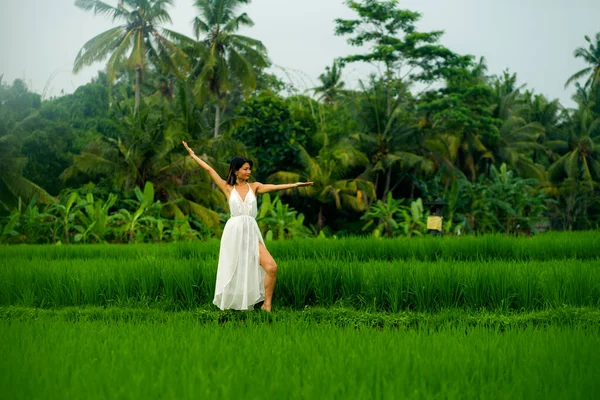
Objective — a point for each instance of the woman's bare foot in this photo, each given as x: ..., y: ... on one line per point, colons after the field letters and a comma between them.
x: 266, y: 308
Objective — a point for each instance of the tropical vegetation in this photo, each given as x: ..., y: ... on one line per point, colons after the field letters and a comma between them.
x: 105, y: 164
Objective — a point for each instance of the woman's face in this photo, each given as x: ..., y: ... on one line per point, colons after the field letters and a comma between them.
x: 244, y: 172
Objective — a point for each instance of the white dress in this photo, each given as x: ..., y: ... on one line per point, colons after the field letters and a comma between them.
x: 240, y: 278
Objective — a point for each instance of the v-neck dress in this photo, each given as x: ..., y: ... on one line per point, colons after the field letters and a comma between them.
x: 240, y: 278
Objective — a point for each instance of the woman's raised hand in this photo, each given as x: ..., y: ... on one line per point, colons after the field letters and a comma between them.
x: 300, y: 184
x: 190, y: 151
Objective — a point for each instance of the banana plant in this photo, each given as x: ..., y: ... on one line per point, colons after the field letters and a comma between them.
x: 94, y: 218
x: 66, y: 214
x: 504, y: 203
x: 130, y: 223
x: 161, y: 230
x: 414, y: 219
x: 278, y: 221
x: 454, y: 219
x: 9, y: 232
x: 146, y: 198
x: 83, y: 232
x: 383, y: 216
x: 182, y: 229
x: 158, y: 229
x: 516, y: 200
x: 133, y: 225
x: 25, y: 224
x: 33, y: 221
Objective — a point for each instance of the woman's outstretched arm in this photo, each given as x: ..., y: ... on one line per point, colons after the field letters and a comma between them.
x: 266, y: 188
x: 220, y: 182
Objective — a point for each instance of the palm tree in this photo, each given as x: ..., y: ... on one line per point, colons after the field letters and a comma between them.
x: 146, y: 154
x: 461, y: 118
x: 225, y: 58
x: 539, y: 110
x: 140, y: 36
x: 331, y: 83
x: 328, y: 171
x: 388, y: 140
x: 12, y: 183
x: 506, y: 95
x: 580, y: 149
x: 516, y: 139
x: 460, y: 151
x: 587, y: 98
x: 591, y: 56
x: 18, y: 106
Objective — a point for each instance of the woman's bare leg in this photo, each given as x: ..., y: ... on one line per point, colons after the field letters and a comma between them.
x: 270, y: 267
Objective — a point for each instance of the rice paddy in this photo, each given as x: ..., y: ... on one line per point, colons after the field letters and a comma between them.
x: 472, y: 317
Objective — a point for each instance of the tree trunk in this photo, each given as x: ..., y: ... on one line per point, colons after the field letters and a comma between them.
x: 585, y: 211
x: 138, y: 88
x: 473, y: 174
x: 389, y: 102
x: 67, y: 234
x: 320, y: 219
x: 388, y: 180
x: 389, y: 91
x: 388, y: 227
x: 569, y: 202
x: 217, y: 119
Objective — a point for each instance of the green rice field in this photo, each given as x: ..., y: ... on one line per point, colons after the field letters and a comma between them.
x: 442, y: 318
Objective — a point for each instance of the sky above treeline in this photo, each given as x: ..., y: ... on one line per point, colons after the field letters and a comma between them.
x: 534, y: 38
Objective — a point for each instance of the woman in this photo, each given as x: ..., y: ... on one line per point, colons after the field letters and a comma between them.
x: 241, y: 282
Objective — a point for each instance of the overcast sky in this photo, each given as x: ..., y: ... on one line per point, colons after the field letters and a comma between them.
x: 39, y: 39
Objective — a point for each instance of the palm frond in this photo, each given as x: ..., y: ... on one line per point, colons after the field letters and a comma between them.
x: 243, y: 20
x: 252, y: 49
x: 209, y: 217
x: 99, y: 47
x: 578, y: 75
x: 242, y: 70
x: 558, y: 146
x: 158, y: 12
x: 529, y: 169
x: 586, y: 174
x: 171, y: 57
x: 284, y: 177
x: 101, y: 8
x: 594, y: 166
x: 137, y: 57
x: 200, y: 27
x: 22, y: 187
x: 93, y: 164
x: 117, y: 57
x: 572, y: 164
x: 180, y: 40
x: 330, y: 194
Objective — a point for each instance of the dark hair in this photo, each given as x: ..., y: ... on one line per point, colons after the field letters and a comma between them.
x: 234, y: 166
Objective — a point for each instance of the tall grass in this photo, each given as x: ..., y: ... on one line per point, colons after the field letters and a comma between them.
x: 581, y: 245
x: 550, y: 246
x: 429, y: 274
x: 53, y: 359
x: 376, y: 285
